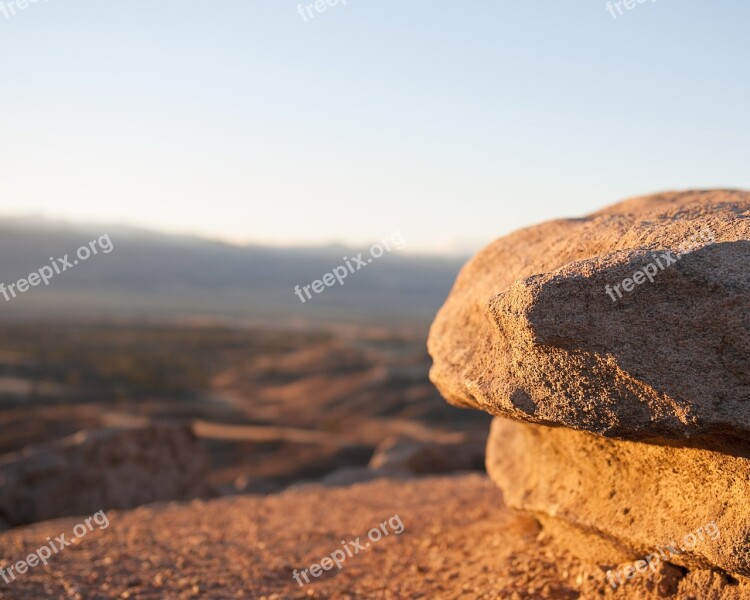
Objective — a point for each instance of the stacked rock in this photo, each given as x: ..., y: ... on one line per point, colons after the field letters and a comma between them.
x: 614, y: 351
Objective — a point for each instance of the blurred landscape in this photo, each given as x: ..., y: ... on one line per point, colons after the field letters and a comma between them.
x: 153, y: 275
x: 173, y: 335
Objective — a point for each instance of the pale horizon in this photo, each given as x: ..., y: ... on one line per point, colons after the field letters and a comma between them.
x: 455, y: 248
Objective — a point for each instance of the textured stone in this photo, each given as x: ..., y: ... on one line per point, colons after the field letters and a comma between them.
x: 635, y: 497
x: 530, y: 333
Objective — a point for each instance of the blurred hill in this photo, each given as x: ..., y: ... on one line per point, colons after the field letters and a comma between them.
x: 267, y: 407
x: 205, y: 346
x: 150, y: 274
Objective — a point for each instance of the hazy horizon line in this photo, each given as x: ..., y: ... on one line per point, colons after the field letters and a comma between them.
x: 40, y: 221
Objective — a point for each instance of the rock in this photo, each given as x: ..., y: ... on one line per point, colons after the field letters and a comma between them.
x: 345, y: 476
x: 638, y: 498
x: 100, y: 469
x: 710, y: 585
x: 530, y: 332
x: 664, y: 582
x: 405, y: 455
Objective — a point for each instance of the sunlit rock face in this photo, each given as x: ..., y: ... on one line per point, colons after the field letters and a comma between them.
x: 631, y: 323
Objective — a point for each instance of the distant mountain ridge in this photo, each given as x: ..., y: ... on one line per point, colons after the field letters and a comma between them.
x: 151, y: 274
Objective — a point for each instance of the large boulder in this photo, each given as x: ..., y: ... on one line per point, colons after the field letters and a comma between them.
x: 101, y: 469
x: 613, y: 501
x: 633, y: 322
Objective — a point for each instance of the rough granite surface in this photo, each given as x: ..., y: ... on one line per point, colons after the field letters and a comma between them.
x: 627, y: 499
x: 535, y: 330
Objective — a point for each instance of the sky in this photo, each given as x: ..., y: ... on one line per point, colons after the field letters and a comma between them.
x: 453, y: 123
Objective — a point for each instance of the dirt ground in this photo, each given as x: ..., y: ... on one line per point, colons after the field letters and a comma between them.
x: 457, y: 540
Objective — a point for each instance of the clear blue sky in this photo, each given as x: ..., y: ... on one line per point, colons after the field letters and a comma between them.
x: 453, y: 122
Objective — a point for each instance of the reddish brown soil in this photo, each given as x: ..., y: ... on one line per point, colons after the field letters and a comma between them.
x: 459, y: 541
